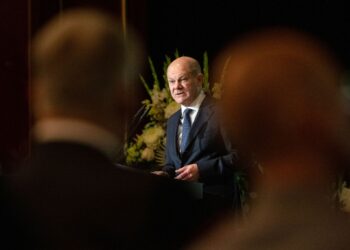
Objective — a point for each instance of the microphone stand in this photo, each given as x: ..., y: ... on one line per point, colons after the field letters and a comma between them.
x: 135, y: 123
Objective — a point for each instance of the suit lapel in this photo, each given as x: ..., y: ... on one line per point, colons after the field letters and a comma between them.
x: 204, y: 114
x: 173, y: 127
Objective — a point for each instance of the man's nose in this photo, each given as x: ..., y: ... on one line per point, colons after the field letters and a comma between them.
x: 177, y: 85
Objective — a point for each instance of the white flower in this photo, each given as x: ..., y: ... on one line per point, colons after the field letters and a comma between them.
x: 155, y: 97
x: 147, y: 154
x: 163, y: 94
x: 345, y: 198
x: 152, y: 135
x: 217, y: 90
x: 171, y: 109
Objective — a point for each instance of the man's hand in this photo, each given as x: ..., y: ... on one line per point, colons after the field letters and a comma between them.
x: 160, y: 173
x: 188, y: 173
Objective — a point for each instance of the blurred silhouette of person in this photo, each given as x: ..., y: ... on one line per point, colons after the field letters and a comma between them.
x: 196, y: 149
x: 70, y: 195
x: 282, y: 101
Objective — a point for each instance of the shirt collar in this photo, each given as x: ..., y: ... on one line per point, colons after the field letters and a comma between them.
x: 74, y: 130
x: 195, y: 105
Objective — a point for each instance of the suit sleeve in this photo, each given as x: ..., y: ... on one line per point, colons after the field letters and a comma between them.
x: 169, y: 166
x: 220, y: 163
x: 216, y: 167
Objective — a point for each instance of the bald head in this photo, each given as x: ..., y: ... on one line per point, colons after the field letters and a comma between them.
x: 281, y: 93
x: 188, y: 63
x: 185, y: 80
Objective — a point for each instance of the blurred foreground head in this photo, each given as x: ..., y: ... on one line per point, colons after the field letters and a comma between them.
x: 281, y: 96
x: 81, y: 62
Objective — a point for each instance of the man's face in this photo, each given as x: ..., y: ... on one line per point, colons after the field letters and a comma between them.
x: 184, y: 85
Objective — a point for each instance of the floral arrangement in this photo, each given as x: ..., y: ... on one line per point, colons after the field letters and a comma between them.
x: 148, y: 147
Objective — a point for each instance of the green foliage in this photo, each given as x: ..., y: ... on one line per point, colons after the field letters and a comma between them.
x: 154, y: 74
x: 206, y: 86
x: 149, y: 92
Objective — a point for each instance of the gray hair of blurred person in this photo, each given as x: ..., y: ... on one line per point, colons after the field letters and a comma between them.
x: 281, y: 93
x: 81, y: 66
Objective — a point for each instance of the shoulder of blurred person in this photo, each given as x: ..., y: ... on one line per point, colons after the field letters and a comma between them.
x: 92, y: 203
x: 283, y: 220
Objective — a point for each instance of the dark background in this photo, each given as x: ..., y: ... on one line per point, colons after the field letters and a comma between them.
x: 195, y: 26
x: 191, y: 26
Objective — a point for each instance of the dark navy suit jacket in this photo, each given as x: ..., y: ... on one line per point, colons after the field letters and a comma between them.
x: 207, y: 147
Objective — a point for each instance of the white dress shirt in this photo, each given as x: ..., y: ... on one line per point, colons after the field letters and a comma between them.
x: 195, y: 105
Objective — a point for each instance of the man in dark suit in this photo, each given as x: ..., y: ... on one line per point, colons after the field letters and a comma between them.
x: 196, y: 149
x: 70, y: 195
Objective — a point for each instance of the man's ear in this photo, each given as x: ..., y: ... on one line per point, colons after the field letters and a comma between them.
x: 200, y: 79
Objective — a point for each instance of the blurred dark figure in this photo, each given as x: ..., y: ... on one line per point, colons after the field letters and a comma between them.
x: 282, y: 102
x: 11, y: 159
x: 70, y: 195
